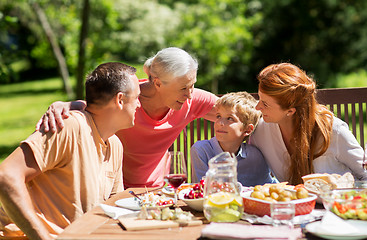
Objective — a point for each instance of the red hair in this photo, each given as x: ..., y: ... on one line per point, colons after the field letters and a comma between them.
x: 292, y: 88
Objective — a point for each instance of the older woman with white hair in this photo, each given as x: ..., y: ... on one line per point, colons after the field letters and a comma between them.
x: 168, y: 101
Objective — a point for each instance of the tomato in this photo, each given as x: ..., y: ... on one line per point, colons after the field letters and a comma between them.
x: 341, y: 208
x: 299, y: 186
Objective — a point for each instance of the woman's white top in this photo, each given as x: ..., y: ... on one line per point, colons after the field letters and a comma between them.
x: 343, y: 155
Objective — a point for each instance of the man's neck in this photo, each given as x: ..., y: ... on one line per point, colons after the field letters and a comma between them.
x: 102, y: 123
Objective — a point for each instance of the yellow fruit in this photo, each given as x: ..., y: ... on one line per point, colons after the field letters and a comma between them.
x: 220, y: 198
x: 238, y: 200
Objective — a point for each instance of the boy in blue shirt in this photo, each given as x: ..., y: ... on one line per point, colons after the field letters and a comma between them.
x: 236, y: 119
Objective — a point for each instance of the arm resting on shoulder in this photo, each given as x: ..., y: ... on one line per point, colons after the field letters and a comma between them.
x: 19, y: 168
x: 55, y: 114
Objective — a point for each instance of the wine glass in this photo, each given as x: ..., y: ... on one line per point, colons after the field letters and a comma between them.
x: 177, y: 171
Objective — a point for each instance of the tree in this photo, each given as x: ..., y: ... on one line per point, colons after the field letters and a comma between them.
x: 218, y: 33
x: 324, y: 37
x: 82, y: 48
x: 55, y: 48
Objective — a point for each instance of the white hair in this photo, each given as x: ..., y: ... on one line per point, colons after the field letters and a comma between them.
x: 172, y: 61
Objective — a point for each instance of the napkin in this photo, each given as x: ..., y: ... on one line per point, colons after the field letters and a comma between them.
x: 115, y: 212
x: 241, y: 231
x: 334, y: 225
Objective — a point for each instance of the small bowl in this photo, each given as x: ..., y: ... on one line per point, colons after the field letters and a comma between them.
x: 196, y: 204
x: 351, y: 208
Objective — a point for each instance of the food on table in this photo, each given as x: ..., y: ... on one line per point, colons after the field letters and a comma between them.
x: 318, y: 182
x: 279, y: 192
x: 197, y: 191
x: 151, y: 199
x: 346, y: 203
x: 223, y: 207
x: 165, y: 214
x: 303, y: 205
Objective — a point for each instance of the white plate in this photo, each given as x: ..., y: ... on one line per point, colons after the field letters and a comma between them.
x: 129, y: 203
x: 361, y: 225
x: 168, y: 190
x: 133, y: 204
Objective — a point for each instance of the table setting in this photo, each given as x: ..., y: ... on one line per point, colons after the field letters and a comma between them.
x: 218, y: 207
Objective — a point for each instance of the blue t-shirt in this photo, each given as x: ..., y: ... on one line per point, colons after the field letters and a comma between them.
x: 251, y: 167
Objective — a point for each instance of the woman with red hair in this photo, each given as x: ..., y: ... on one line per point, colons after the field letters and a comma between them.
x: 297, y: 135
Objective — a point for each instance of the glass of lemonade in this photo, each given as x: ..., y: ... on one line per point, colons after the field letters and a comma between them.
x: 222, y: 200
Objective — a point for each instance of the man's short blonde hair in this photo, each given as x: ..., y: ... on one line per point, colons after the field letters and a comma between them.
x: 244, y: 105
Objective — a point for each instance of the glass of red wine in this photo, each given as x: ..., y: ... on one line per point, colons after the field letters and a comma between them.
x: 177, y: 172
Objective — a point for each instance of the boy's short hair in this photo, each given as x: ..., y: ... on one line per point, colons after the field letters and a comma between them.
x: 244, y: 104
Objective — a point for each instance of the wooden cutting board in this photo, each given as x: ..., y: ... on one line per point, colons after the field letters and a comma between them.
x: 139, y: 224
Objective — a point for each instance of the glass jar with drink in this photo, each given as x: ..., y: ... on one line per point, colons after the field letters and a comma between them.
x: 222, y: 200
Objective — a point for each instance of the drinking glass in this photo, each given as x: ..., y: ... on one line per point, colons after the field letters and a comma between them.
x: 177, y: 171
x: 282, y: 213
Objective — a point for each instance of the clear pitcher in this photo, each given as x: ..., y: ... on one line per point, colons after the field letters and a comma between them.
x: 222, y: 200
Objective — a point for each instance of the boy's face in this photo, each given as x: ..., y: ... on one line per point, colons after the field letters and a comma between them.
x: 228, y: 127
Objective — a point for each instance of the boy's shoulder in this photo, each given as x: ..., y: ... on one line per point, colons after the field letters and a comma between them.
x: 252, y: 151
x: 201, y: 143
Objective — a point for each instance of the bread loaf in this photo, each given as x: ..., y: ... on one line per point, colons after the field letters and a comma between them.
x: 317, y: 182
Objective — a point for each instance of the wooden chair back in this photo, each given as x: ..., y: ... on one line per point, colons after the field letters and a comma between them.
x: 348, y: 104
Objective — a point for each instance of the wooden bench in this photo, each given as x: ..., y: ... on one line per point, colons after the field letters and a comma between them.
x: 348, y: 104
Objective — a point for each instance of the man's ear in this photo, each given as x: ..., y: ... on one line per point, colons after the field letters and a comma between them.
x: 248, y: 129
x: 119, y: 100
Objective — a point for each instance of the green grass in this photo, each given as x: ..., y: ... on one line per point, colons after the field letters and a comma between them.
x: 22, y: 105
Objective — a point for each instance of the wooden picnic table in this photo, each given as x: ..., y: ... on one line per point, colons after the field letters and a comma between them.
x: 96, y: 225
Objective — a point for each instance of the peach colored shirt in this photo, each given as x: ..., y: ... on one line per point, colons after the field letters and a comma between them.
x: 79, y: 170
x: 146, y: 144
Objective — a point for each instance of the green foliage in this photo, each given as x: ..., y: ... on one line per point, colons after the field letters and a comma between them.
x: 324, y: 37
x: 218, y: 33
x: 354, y: 79
x: 232, y: 39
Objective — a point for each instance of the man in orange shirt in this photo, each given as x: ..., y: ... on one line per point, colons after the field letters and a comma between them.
x: 52, y: 179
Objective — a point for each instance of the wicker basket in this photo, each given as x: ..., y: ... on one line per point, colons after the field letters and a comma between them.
x: 260, y: 207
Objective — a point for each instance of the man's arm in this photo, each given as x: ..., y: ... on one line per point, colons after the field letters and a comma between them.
x: 19, y: 168
x: 55, y: 114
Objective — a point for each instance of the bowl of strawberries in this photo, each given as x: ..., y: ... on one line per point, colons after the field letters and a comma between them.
x: 194, y: 195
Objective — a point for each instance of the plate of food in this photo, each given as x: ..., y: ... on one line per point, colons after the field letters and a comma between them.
x: 168, y: 190
x: 150, y: 200
x: 316, y: 183
x: 193, y: 196
x: 347, y: 203
x: 259, y: 200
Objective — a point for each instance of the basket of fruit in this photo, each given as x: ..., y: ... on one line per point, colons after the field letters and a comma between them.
x: 259, y: 200
x: 347, y: 203
x: 193, y: 196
